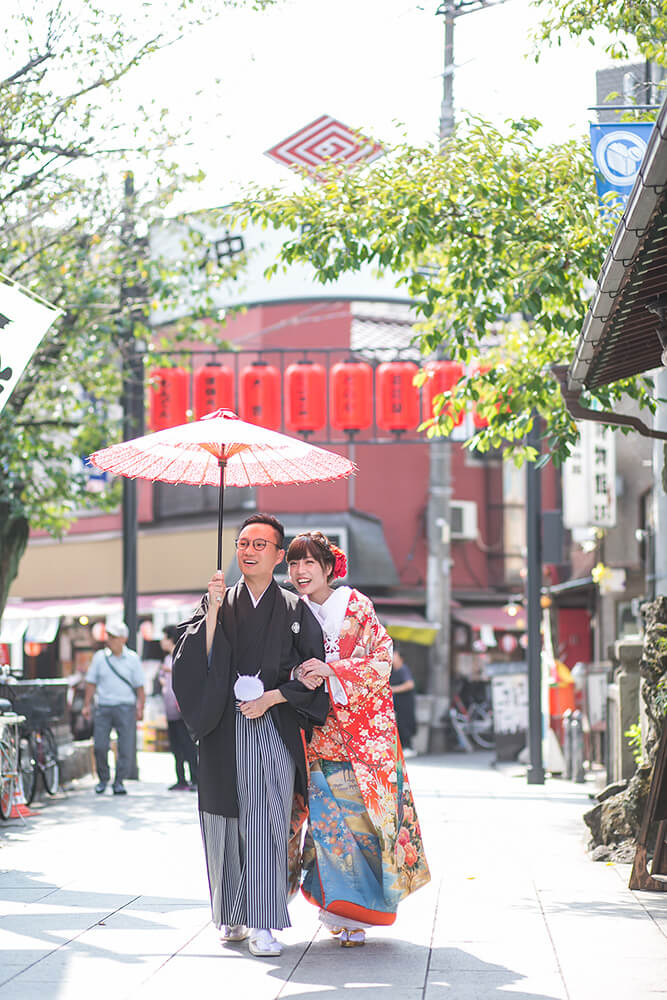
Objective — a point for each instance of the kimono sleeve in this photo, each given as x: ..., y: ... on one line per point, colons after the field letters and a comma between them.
x: 201, y: 687
x: 367, y: 671
x: 312, y: 706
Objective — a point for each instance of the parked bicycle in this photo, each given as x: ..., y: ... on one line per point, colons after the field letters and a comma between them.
x: 38, y: 751
x: 10, y: 723
x: 473, y: 722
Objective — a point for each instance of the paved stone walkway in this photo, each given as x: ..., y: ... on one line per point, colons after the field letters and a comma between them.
x: 105, y: 897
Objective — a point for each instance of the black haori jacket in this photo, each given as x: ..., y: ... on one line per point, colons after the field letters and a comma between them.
x: 273, y: 639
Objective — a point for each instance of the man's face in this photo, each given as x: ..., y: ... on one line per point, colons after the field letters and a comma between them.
x: 115, y: 643
x: 256, y: 564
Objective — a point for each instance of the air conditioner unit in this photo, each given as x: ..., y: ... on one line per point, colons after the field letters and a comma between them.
x: 463, y: 519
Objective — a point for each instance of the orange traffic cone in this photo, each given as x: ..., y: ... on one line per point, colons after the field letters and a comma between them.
x: 19, y: 805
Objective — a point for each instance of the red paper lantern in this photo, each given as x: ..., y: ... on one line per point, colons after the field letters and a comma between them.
x: 32, y: 648
x: 351, y: 395
x: 508, y: 642
x: 396, y: 396
x: 441, y: 376
x: 305, y: 396
x: 259, y: 395
x: 146, y: 630
x: 168, y: 397
x: 99, y: 632
x: 213, y: 389
x: 4, y: 654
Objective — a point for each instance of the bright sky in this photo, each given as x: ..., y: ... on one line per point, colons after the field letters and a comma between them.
x: 374, y: 64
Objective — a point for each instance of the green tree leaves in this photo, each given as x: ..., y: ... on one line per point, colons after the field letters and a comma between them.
x: 70, y: 128
x: 497, y: 241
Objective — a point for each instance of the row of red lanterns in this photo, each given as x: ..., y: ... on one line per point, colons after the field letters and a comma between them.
x: 305, y: 389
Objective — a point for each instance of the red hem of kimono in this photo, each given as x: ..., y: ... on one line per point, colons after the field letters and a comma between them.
x: 341, y: 908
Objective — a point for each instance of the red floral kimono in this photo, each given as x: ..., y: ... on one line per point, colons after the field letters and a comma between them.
x: 364, y: 852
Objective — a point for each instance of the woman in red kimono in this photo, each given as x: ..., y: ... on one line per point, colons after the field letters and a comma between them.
x: 363, y: 852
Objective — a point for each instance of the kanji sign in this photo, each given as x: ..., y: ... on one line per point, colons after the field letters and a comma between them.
x: 589, y: 479
x: 23, y: 322
x: 324, y: 141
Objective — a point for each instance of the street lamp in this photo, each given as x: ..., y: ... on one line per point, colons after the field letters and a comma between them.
x: 450, y: 10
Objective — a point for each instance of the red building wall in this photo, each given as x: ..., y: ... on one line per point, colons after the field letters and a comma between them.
x: 393, y: 478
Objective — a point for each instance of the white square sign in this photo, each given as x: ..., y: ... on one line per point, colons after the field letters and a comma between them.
x: 23, y: 322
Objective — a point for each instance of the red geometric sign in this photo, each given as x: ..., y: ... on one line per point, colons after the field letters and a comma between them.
x: 324, y: 141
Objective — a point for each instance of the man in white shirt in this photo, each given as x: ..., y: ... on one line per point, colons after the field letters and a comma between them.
x: 116, y: 677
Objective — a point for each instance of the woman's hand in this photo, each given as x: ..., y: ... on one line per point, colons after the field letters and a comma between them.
x: 216, y: 590
x: 311, y: 681
x: 312, y: 672
x: 258, y: 706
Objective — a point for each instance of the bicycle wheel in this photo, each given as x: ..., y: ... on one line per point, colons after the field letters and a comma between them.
x: 48, y: 762
x: 481, y: 727
x: 7, y: 774
x: 27, y: 770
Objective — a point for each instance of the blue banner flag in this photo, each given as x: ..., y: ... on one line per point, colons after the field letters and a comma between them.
x: 618, y: 149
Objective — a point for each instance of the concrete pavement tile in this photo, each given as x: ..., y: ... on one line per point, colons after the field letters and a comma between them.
x: 489, y: 985
x: 231, y: 974
x: 490, y: 929
x: 656, y: 907
x: 622, y: 939
x: 76, y: 899
x: 514, y: 956
x: 377, y: 991
x: 56, y: 928
x: 25, y: 894
x: 380, y: 961
x: 36, y: 991
x: 640, y: 981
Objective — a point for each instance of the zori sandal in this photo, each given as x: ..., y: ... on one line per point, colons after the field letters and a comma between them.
x: 352, y: 938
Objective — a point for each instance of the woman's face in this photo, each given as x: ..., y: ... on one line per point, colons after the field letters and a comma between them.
x: 309, y: 577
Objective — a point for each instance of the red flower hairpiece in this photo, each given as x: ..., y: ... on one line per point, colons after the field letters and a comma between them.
x: 340, y: 563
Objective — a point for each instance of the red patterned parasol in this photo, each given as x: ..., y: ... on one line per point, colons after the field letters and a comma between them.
x: 222, y: 450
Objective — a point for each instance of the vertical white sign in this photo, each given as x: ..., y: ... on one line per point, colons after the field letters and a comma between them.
x: 589, y: 479
x: 23, y: 322
x: 603, y: 470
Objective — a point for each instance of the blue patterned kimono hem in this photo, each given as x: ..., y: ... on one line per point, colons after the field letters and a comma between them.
x: 344, y: 862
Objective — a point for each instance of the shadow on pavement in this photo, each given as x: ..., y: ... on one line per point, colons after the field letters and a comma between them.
x: 440, y: 972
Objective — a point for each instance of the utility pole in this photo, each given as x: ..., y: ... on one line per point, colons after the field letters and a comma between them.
x: 438, y: 567
x: 132, y: 402
x: 535, y: 774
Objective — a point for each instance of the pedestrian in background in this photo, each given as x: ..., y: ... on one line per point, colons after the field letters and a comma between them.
x: 115, y: 679
x: 181, y: 743
x: 403, y: 691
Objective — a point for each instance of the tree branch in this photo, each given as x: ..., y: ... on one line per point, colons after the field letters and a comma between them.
x: 71, y: 152
x: 31, y: 64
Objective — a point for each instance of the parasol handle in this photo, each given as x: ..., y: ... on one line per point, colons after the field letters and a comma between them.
x: 221, y: 507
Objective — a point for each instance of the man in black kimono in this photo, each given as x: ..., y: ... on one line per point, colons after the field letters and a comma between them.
x: 232, y: 675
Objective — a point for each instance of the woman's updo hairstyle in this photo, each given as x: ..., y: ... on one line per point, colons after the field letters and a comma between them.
x: 318, y: 547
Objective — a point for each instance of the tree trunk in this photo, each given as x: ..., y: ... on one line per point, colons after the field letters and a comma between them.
x: 14, y: 530
x: 615, y: 821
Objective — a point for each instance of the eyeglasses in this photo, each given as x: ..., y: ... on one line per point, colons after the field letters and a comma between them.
x: 258, y: 544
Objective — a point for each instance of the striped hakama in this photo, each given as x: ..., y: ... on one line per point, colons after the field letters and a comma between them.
x: 246, y: 858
